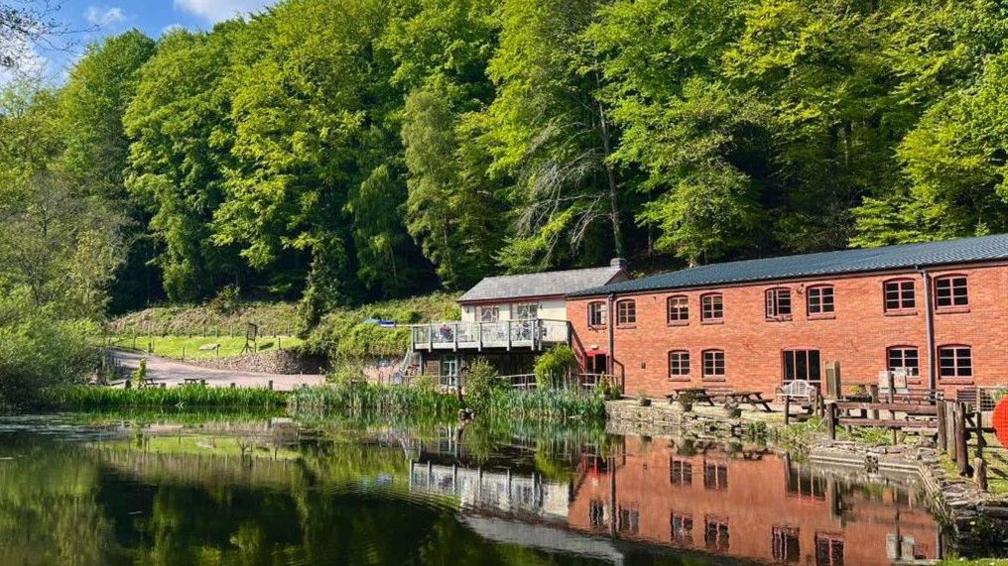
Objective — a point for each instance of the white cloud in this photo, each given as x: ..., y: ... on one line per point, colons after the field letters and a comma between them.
x: 104, y: 17
x: 28, y: 63
x: 219, y: 10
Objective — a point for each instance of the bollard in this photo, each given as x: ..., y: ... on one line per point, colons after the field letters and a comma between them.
x: 233, y: 386
x: 270, y: 385
x: 787, y: 410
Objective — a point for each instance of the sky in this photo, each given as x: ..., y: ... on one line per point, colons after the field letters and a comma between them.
x: 91, y: 20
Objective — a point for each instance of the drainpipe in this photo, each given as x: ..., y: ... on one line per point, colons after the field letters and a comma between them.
x: 929, y: 329
x: 610, y: 324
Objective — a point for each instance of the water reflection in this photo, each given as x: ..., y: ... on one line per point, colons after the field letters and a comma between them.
x: 276, y: 493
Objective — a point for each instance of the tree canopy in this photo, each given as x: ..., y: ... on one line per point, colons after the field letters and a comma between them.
x: 351, y: 150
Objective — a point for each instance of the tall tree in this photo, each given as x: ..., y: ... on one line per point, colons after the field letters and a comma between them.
x: 179, y: 121
x: 454, y: 209
x: 548, y: 128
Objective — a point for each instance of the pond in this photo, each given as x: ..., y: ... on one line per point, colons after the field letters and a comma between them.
x: 78, y: 489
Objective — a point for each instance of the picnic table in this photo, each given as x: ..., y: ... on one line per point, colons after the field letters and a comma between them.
x: 709, y: 395
x: 700, y: 394
x: 192, y: 381
x: 754, y: 398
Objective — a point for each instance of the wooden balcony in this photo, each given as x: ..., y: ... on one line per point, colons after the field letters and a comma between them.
x: 528, y: 335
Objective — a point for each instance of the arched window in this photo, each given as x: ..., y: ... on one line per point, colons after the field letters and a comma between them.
x: 905, y: 358
x: 778, y: 304
x: 711, y: 308
x: 951, y: 291
x: 713, y: 364
x: 678, y: 310
x: 626, y: 312
x: 820, y: 300
x: 679, y: 364
x: 900, y: 295
x: 955, y: 361
x: 596, y: 314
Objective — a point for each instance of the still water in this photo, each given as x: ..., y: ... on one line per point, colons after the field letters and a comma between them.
x: 87, y: 490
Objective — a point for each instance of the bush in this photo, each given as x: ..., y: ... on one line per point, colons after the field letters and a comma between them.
x: 481, y: 381
x: 227, y: 301
x: 608, y: 388
x: 39, y: 351
x: 554, y: 368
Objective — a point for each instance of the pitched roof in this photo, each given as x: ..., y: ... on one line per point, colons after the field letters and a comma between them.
x: 950, y: 252
x: 546, y: 284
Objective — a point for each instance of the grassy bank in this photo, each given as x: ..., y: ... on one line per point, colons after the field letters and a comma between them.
x: 348, y: 333
x: 79, y: 398
x: 188, y: 347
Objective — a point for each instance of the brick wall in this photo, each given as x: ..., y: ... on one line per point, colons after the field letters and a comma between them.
x: 857, y: 335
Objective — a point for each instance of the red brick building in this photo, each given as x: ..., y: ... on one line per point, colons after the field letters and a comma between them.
x: 938, y: 310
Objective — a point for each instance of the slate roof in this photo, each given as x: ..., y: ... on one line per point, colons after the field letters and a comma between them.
x: 547, y: 284
x: 890, y: 258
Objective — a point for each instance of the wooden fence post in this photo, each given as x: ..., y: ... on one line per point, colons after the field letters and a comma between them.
x: 962, y: 452
x: 942, y: 431
x: 787, y: 410
x: 831, y: 419
x: 980, y: 473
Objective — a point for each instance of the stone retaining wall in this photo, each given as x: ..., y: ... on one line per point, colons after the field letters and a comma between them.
x: 277, y: 362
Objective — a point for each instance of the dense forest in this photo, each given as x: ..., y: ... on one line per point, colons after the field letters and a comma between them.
x: 336, y: 152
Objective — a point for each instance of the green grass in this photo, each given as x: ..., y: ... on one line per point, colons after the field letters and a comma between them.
x: 188, y: 347
x: 183, y: 320
x: 346, y: 334
x: 75, y: 398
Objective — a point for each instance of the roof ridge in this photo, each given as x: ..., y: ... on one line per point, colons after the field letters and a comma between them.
x: 850, y: 260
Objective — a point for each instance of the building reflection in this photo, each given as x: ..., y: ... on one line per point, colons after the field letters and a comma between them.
x: 746, y: 504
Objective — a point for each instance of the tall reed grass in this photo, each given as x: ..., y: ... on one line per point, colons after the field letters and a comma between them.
x: 191, y: 396
x: 368, y: 399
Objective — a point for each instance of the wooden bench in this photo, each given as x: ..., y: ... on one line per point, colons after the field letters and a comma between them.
x: 192, y: 381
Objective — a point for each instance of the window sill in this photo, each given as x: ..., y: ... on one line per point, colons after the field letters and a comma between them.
x: 713, y: 321
x: 592, y: 327
x: 626, y: 326
x: 901, y: 313
x: 955, y: 381
x: 826, y: 316
x: 951, y: 310
x: 679, y: 323
x: 680, y: 378
x: 779, y: 319
x: 717, y: 378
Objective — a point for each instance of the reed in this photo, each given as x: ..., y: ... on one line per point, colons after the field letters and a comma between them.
x: 190, y: 396
x: 545, y: 404
x: 368, y: 399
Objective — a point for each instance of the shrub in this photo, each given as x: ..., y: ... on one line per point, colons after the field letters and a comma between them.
x: 38, y: 351
x: 227, y: 301
x: 481, y: 381
x: 608, y: 388
x: 424, y: 383
x: 554, y: 368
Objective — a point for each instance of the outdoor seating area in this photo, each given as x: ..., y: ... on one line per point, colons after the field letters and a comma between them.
x: 710, y: 395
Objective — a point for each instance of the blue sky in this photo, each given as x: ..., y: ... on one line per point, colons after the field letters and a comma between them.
x: 92, y: 20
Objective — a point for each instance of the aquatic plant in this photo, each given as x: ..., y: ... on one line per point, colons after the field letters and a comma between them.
x: 189, y: 396
x: 361, y: 398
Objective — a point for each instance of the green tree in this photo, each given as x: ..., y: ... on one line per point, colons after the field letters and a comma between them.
x: 93, y: 102
x: 179, y: 122
x: 549, y: 130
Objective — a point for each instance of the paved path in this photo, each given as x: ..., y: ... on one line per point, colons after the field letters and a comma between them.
x: 174, y: 373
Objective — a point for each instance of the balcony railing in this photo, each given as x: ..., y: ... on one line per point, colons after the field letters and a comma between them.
x: 508, y: 334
